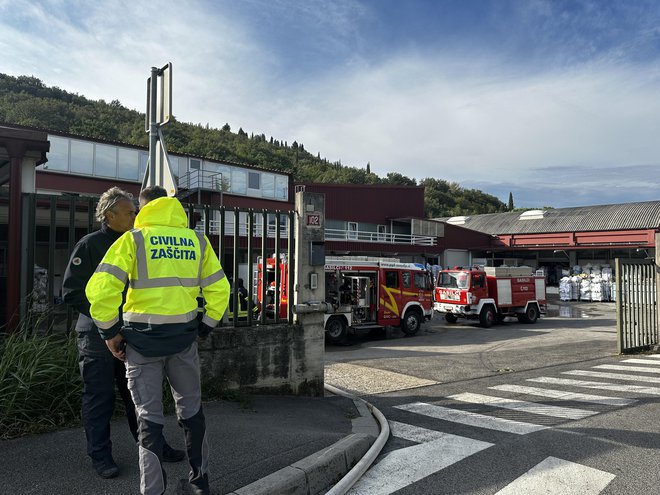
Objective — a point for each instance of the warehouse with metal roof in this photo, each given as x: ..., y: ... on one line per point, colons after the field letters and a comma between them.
x: 560, y: 238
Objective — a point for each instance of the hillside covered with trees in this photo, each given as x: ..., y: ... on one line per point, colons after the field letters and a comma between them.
x: 25, y: 100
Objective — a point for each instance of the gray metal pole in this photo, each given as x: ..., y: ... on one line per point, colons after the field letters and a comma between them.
x: 153, y: 126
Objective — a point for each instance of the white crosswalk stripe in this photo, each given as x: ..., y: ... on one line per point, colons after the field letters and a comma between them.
x: 616, y: 376
x: 408, y: 465
x: 521, y: 405
x: 471, y: 419
x: 597, y: 385
x: 555, y: 476
x: 618, y: 367
x: 653, y: 356
x: 564, y: 395
x: 649, y: 362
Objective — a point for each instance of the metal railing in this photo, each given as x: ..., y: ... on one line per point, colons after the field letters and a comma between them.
x: 54, y: 223
x: 215, y: 226
x: 379, y: 237
x: 203, y: 179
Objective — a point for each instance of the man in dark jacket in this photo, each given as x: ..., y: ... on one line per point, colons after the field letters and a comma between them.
x: 99, y: 369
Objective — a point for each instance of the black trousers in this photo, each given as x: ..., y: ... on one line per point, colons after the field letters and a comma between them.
x: 100, y: 372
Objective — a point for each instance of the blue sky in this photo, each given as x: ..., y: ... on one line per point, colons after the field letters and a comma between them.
x: 555, y: 101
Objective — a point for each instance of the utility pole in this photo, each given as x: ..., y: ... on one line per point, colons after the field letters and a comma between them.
x: 159, y: 113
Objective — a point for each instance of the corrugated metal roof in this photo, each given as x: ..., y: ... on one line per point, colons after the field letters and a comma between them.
x: 626, y: 216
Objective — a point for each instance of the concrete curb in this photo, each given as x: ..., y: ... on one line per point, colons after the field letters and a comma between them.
x: 316, y: 473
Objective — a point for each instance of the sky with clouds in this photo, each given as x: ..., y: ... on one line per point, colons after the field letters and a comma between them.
x: 555, y: 101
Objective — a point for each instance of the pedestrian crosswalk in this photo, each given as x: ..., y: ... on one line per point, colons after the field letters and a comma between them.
x: 570, y: 395
x: 558, y: 476
x: 434, y: 452
x: 471, y: 418
x: 565, y: 395
x: 524, y: 406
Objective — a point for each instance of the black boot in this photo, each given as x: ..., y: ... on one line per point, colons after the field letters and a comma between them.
x: 172, y: 455
x: 198, y: 450
x: 106, y: 468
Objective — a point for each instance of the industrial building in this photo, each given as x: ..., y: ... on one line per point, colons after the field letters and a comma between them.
x: 561, y: 238
x: 49, y: 183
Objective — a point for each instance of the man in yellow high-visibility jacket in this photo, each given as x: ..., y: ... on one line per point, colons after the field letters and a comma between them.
x: 165, y: 264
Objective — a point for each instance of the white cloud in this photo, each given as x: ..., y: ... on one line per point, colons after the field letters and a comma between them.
x: 428, y: 117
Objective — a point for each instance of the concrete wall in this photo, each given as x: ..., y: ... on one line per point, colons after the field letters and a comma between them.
x: 269, y: 359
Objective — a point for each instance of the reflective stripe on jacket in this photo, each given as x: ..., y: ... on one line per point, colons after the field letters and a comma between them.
x: 165, y: 264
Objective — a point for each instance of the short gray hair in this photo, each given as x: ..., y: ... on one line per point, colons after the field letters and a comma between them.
x: 108, y: 201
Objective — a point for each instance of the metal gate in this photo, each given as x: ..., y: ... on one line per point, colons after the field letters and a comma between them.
x: 636, y: 304
x: 53, y: 224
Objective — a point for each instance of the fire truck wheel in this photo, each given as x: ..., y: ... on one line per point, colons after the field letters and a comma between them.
x: 335, y: 330
x: 531, y: 314
x: 450, y: 318
x: 411, y: 322
x: 487, y: 316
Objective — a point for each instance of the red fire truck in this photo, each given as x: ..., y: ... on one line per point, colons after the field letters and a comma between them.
x: 490, y: 294
x: 363, y: 293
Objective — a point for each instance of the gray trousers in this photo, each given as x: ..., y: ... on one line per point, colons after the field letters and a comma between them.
x: 145, y: 377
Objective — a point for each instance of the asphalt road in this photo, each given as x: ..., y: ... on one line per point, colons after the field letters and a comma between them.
x: 515, y: 409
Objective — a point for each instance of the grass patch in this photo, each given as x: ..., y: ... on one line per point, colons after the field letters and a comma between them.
x: 40, y: 384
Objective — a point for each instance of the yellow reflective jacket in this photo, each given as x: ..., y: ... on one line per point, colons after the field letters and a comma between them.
x: 165, y: 264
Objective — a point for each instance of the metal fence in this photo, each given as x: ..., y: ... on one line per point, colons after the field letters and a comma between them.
x: 54, y: 223
x: 636, y: 304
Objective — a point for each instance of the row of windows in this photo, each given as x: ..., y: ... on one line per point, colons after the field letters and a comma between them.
x: 353, y: 231
x: 421, y: 280
x: 115, y: 162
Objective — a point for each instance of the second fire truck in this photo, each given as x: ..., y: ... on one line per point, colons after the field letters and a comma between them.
x: 490, y: 294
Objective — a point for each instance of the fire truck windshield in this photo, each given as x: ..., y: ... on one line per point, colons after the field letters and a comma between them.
x: 454, y: 280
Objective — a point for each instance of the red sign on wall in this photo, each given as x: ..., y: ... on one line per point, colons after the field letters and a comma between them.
x: 314, y: 220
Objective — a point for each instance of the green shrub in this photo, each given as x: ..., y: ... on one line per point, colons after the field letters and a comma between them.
x: 39, y: 382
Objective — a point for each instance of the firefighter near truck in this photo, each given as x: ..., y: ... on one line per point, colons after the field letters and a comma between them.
x: 361, y: 293
x: 490, y: 294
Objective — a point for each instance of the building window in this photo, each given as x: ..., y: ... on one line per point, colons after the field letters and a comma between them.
x: 82, y: 157
x: 195, y: 164
x: 105, y: 160
x: 224, y: 178
x: 144, y: 160
x: 254, y: 180
x: 268, y: 185
x: 58, y: 156
x: 129, y: 164
x: 352, y: 230
x: 179, y: 166
x: 281, y: 187
x: 238, y: 181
